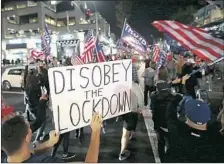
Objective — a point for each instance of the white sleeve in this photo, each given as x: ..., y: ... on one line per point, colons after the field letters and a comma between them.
x: 140, y: 97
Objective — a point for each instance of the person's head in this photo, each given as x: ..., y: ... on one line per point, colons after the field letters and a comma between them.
x: 198, y: 114
x: 147, y: 63
x: 153, y: 65
x: 163, y: 74
x: 16, y: 135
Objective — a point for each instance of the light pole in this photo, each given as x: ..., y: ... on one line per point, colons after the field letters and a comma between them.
x: 96, y: 14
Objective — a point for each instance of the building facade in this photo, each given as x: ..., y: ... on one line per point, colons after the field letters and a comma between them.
x: 210, y: 13
x: 23, y: 23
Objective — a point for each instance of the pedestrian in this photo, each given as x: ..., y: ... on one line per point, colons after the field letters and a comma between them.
x: 65, y: 139
x: 159, y: 102
x: 148, y: 76
x: 131, y: 119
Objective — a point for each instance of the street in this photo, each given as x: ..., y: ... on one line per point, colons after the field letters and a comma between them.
x: 143, y: 148
x: 140, y: 147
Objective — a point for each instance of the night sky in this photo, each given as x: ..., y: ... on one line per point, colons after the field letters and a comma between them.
x: 143, y: 14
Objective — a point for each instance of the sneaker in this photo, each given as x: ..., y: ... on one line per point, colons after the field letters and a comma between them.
x: 68, y: 156
x: 124, y: 155
x: 103, y: 130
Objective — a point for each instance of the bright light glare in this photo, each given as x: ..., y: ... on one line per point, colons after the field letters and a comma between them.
x: 141, y: 57
x: 53, y: 2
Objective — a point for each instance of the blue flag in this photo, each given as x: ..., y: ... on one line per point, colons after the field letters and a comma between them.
x: 134, y: 39
x: 174, y: 47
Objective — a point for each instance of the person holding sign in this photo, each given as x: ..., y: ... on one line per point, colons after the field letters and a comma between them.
x: 131, y: 119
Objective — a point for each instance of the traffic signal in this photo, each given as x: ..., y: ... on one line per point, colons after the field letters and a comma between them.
x: 87, y: 14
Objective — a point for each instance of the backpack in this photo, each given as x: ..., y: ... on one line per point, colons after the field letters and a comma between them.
x: 160, y: 101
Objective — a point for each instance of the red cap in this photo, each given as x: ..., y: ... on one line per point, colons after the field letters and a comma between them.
x: 6, y: 110
x: 133, y: 60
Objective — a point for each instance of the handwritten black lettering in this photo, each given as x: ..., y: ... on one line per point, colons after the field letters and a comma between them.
x: 55, y: 82
x: 81, y: 75
x: 87, y: 93
x: 71, y: 81
x: 94, y: 75
x: 125, y: 99
x: 114, y: 73
x: 106, y: 72
x: 100, y: 92
x: 104, y: 99
x: 83, y: 112
x: 95, y: 105
x: 113, y: 103
x: 126, y: 70
x: 79, y: 114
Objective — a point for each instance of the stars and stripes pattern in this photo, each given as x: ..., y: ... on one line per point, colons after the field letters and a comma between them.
x: 76, y: 60
x: 100, y: 57
x: 46, y: 41
x: 196, y: 40
x: 89, y: 46
x: 156, y: 52
x: 161, y: 59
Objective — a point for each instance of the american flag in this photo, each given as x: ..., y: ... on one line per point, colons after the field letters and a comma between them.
x: 196, y: 40
x: 100, y: 57
x: 161, y: 59
x: 76, y: 60
x: 46, y: 41
x: 156, y: 52
x: 89, y: 46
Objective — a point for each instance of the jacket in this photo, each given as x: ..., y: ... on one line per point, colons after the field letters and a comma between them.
x: 137, y: 100
x: 148, y: 76
x: 188, y: 145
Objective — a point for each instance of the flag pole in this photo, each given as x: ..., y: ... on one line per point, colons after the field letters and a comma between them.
x: 67, y: 16
x: 125, y: 21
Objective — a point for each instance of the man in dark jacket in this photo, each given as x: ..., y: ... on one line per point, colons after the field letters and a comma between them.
x: 159, y: 102
x: 192, y: 141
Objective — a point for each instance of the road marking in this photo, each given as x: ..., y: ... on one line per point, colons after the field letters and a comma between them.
x: 149, y: 125
x: 11, y: 92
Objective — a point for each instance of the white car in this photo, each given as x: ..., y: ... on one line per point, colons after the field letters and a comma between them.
x: 11, y: 78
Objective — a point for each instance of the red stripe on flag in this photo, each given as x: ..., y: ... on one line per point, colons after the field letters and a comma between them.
x: 200, y: 43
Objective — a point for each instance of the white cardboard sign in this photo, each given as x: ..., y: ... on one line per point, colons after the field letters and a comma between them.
x: 77, y: 91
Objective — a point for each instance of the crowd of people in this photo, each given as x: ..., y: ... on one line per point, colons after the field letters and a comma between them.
x: 188, y: 129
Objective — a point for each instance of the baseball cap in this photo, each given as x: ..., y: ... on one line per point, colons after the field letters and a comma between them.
x: 197, y: 111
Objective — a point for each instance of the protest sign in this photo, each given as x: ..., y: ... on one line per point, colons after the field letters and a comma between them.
x: 77, y: 91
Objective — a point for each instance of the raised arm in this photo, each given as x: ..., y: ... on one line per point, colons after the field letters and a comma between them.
x: 94, y: 146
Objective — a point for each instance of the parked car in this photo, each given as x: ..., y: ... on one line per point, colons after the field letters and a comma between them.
x: 11, y: 78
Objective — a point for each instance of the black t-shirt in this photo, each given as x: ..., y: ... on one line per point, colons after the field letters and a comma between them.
x: 40, y: 159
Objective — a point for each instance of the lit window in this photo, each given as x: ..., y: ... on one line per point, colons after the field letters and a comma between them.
x: 83, y: 21
x: 50, y: 20
x: 31, y: 4
x: 71, y: 21
x: 61, y: 22
x: 21, y: 6
x: 33, y: 20
x: 9, y: 8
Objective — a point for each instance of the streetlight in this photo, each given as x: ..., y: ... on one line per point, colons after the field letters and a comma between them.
x: 96, y: 14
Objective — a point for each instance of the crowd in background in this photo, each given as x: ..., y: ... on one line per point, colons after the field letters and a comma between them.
x: 188, y: 129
